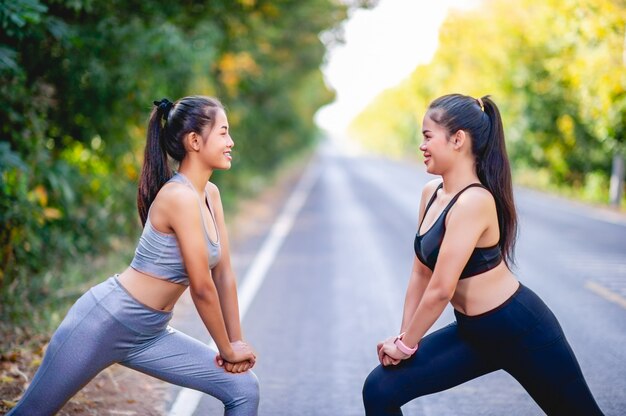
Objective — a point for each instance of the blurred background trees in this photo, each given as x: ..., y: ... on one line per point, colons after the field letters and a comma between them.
x: 556, y: 68
x: 77, y: 81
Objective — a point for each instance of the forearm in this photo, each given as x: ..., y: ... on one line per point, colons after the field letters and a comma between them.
x: 414, y: 294
x: 427, y: 312
x: 208, y: 306
x: 227, y: 289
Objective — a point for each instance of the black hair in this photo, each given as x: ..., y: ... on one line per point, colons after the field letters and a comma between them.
x: 480, y: 118
x: 169, y: 124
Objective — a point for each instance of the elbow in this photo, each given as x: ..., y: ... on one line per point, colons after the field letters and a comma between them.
x: 442, y: 293
x: 224, y: 279
x: 204, y: 293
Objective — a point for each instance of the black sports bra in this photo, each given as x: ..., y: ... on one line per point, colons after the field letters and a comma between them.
x: 428, y: 244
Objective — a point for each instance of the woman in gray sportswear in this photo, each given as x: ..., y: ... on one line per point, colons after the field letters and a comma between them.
x: 184, y: 244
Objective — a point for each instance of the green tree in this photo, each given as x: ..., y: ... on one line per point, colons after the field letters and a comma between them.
x: 77, y: 79
x: 555, y: 67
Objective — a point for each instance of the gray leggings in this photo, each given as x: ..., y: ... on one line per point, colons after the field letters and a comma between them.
x: 106, y: 326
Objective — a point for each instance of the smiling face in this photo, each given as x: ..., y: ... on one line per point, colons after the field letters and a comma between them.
x: 217, y: 143
x: 436, y: 146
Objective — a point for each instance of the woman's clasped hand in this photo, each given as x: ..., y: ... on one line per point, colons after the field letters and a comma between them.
x: 240, y: 360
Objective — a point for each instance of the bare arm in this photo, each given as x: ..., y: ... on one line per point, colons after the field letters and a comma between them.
x: 418, y: 281
x: 223, y: 273
x: 465, y: 224
x: 186, y: 222
x: 420, y: 274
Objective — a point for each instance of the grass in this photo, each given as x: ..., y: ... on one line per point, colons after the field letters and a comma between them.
x: 35, y: 308
x: 28, y: 315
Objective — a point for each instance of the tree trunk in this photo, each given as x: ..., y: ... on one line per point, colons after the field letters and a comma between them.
x: 617, y: 180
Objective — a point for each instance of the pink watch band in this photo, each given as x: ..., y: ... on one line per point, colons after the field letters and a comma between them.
x: 402, y: 347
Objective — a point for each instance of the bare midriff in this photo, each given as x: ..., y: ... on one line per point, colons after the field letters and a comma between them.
x: 484, y: 292
x: 156, y: 293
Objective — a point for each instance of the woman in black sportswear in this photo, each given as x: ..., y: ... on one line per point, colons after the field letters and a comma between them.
x: 464, y: 247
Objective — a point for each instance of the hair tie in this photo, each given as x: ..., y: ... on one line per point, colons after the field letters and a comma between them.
x: 165, y: 106
x: 480, y: 103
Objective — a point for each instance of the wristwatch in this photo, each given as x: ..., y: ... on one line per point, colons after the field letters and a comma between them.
x: 402, y: 346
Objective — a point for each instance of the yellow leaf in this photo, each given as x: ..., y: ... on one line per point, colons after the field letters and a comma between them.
x: 41, y: 195
x: 52, y: 213
x: 9, y: 403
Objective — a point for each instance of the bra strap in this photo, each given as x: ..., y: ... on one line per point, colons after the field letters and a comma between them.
x: 430, y: 202
x: 453, y: 200
x: 182, y: 179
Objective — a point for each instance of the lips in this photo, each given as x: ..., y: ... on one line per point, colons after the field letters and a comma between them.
x: 228, y: 155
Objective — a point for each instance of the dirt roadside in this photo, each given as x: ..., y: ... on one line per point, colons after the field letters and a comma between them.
x: 117, y: 390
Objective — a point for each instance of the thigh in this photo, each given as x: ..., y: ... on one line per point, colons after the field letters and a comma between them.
x: 78, y: 350
x: 547, y: 368
x: 180, y: 359
x: 444, y: 359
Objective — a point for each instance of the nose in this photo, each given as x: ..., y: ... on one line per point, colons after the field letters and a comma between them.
x: 231, y: 142
x: 423, y: 146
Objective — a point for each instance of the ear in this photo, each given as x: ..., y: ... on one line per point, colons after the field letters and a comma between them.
x: 459, y: 139
x: 192, y: 141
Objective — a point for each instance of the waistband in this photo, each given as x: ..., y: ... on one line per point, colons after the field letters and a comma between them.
x: 516, y: 316
x: 515, y: 294
x: 127, y: 310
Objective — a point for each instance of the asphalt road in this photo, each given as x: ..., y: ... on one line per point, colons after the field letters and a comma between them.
x: 337, y: 285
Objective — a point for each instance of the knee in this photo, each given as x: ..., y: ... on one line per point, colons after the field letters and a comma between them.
x: 376, y: 391
x: 246, y: 392
x: 252, y: 387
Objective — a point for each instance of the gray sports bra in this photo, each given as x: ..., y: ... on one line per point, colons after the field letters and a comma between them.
x: 158, y: 253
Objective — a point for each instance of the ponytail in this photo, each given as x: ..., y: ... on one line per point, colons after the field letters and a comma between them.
x: 494, y: 171
x: 155, y: 171
x: 481, y: 119
x: 168, y: 126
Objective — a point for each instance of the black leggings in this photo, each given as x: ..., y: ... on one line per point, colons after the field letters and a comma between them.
x: 521, y: 337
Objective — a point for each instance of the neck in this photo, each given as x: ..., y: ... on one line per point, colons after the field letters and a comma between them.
x: 197, y: 175
x: 459, y: 177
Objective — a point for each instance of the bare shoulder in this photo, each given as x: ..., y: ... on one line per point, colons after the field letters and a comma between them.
x: 173, y: 202
x: 476, y: 201
x: 430, y: 187
x: 175, y: 196
x: 212, y: 189
x: 214, y: 194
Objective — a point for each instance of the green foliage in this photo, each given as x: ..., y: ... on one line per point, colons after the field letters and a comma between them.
x: 556, y: 68
x: 77, y: 80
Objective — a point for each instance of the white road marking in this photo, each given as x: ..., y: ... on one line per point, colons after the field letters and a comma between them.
x: 187, y: 400
x: 606, y: 293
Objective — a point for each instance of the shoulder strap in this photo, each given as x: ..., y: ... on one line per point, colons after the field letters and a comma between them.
x: 453, y: 200
x: 182, y: 179
x: 432, y: 198
x: 179, y: 178
x: 212, y: 213
x: 430, y: 202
